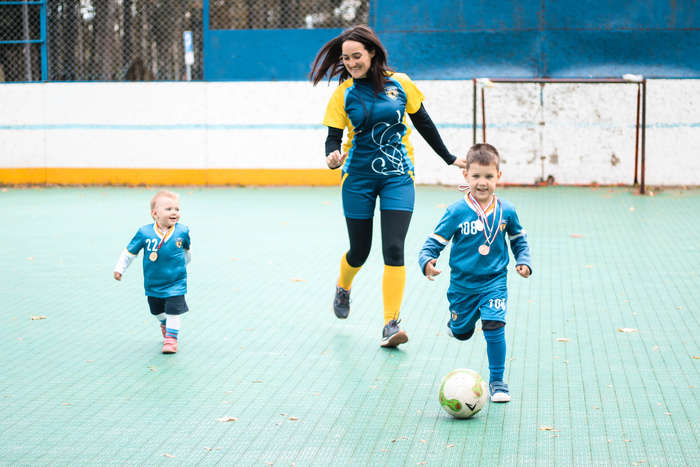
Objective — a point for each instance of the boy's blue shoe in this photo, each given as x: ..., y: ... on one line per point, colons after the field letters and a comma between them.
x: 499, y: 392
x: 392, y: 335
x: 341, y: 303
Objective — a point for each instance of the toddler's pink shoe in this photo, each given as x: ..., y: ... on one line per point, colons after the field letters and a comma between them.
x: 170, y: 345
x: 162, y: 329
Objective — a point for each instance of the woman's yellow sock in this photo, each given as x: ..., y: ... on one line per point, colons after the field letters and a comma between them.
x: 347, y: 273
x: 393, y: 284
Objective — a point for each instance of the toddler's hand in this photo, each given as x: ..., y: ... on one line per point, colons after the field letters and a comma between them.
x: 430, y: 269
x: 118, y: 275
x: 523, y: 270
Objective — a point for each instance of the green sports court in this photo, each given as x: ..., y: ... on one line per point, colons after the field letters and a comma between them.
x: 603, y: 354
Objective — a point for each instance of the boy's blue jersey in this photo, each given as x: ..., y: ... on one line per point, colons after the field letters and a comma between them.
x: 377, y: 143
x: 167, y: 275
x: 471, y: 271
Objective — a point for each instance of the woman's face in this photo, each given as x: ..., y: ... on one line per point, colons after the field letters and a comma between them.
x: 356, y: 59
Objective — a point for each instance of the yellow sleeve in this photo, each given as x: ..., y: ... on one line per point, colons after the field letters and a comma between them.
x: 414, y: 98
x: 335, y: 111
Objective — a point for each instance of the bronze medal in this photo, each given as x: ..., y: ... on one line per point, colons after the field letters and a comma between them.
x: 484, y: 249
x: 154, y: 256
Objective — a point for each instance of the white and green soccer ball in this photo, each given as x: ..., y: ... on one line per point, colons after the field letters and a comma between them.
x: 463, y: 392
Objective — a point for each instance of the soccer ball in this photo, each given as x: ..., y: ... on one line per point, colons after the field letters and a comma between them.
x: 463, y: 393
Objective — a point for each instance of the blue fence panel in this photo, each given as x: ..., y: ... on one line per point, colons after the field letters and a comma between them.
x: 453, y: 39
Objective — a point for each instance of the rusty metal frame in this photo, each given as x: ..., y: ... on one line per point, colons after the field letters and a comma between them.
x: 641, y: 107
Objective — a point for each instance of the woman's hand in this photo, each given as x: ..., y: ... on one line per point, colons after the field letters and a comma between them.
x: 335, y: 160
x: 461, y: 163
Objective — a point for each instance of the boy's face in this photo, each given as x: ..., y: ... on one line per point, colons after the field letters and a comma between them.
x: 482, y: 180
x: 167, y: 212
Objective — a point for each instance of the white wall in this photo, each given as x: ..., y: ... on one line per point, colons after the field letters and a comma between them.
x: 277, y: 125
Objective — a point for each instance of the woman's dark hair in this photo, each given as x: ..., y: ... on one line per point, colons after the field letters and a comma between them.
x: 329, y: 61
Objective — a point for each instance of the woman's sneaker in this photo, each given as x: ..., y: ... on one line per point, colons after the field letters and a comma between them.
x: 341, y: 302
x: 392, y: 335
x: 499, y: 392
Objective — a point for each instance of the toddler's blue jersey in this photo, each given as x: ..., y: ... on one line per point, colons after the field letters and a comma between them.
x: 167, y: 275
x: 377, y: 143
x: 471, y: 271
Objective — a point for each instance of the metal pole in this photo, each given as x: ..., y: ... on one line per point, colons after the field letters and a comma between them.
x: 44, y: 39
x: 636, y: 135
x: 27, y: 49
x: 205, y: 37
x: 474, y: 113
x: 483, y: 116
x: 644, y: 132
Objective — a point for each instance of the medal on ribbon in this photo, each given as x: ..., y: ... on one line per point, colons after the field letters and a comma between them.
x: 490, y: 231
x: 154, y: 254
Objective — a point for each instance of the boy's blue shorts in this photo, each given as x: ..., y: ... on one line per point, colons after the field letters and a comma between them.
x: 465, y: 310
x: 397, y: 193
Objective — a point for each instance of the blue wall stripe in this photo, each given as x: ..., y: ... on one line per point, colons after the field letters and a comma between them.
x: 310, y: 126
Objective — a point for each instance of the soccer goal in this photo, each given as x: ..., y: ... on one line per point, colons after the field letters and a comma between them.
x: 568, y: 131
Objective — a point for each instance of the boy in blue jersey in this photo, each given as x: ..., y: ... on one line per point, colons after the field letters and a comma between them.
x: 166, y: 245
x: 478, y: 225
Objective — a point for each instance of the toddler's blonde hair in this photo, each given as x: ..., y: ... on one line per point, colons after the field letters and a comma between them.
x: 163, y: 194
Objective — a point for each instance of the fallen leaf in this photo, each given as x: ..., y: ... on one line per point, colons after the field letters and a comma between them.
x: 169, y: 455
x: 546, y: 428
x: 627, y: 330
x: 269, y: 463
x: 35, y: 318
x: 296, y: 279
x: 66, y: 403
x: 283, y: 414
x: 450, y: 446
x: 403, y: 437
x: 258, y: 381
x: 596, y: 407
x: 563, y: 339
x: 152, y: 368
x: 423, y: 441
x: 422, y: 463
x: 627, y: 440
x: 667, y: 413
x: 227, y: 419
x: 696, y: 357
x: 207, y: 449
x: 294, y: 419
x: 575, y: 235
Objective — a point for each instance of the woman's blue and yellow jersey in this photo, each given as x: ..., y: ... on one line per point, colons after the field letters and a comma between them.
x: 471, y: 272
x: 167, y: 275
x: 377, y: 143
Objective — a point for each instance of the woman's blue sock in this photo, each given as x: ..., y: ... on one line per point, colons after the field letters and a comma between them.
x: 496, y: 350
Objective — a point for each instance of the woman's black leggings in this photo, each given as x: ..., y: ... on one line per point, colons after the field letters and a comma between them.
x: 394, y: 230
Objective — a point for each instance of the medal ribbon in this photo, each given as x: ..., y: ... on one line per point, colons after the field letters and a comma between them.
x: 165, y: 236
x: 482, y: 215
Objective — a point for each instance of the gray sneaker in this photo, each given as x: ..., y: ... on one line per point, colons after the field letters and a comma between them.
x: 499, y: 392
x: 341, y: 303
x: 392, y: 335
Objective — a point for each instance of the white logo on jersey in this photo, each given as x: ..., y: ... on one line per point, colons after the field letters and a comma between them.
x: 387, y: 136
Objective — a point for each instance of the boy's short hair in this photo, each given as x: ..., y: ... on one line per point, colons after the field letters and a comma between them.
x: 483, y: 154
x: 163, y: 194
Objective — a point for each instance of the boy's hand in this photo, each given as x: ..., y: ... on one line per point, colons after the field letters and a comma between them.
x: 118, y: 275
x: 523, y: 270
x: 430, y: 269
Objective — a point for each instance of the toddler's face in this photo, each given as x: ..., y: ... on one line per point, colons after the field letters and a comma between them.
x: 482, y: 180
x: 166, y: 212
